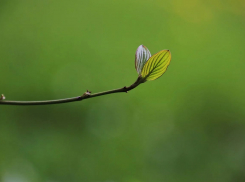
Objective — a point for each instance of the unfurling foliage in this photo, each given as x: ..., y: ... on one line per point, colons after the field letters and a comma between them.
x: 151, y: 67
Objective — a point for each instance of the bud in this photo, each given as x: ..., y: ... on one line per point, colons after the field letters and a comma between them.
x: 141, y: 56
x: 2, y: 97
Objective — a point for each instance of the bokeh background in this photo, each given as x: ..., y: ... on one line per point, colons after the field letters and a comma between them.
x: 187, y: 126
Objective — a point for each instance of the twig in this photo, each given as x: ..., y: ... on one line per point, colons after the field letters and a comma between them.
x: 86, y: 95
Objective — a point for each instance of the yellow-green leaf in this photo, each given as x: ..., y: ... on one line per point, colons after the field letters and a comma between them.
x: 156, y: 65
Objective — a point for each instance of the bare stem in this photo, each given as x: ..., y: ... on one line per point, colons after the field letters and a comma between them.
x: 86, y: 95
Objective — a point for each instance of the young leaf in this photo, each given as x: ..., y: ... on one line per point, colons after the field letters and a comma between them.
x: 141, y: 56
x: 156, y: 65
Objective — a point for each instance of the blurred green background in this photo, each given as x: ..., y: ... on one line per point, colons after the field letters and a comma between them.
x: 187, y: 126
